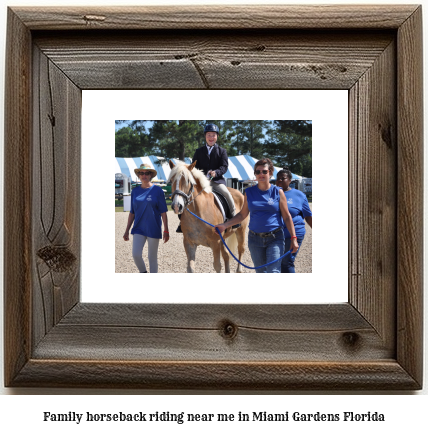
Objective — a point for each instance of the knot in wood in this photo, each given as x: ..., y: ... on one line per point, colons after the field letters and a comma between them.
x: 351, y: 340
x: 386, y: 134
x: 58, y: 259
x: 228, y: 330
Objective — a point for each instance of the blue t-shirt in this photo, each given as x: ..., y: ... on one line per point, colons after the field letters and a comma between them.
x: 265, y: 215
x: 298, y: 207
x: 147, y: 204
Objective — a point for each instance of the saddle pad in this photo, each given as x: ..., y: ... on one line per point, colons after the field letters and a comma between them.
x: 223, y: 205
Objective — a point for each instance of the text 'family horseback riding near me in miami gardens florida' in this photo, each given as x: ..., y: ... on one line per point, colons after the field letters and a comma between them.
x: 180, y: 418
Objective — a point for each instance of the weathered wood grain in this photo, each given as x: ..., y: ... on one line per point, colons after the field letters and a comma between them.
x: 372, y: 342
x: 213, y: 333
x: 216, y: 59
x: 284, y: 376
x: 373, y: 164
x: 55, y: 202
x: 410, y: 211
x: 17, y: 201
x: 226, y: 17
x: 210, y: 316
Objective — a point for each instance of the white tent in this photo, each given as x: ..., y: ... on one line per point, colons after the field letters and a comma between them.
x: 240, y: 167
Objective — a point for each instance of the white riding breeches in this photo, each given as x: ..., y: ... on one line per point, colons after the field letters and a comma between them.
x: 226, y: 193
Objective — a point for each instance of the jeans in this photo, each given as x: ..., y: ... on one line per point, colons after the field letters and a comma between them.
x: 287, y: 264
x: 266, y: 249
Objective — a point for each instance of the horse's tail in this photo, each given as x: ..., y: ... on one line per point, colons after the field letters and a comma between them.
x: 232, y: 243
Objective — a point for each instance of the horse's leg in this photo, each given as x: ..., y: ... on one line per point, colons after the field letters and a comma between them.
x: 216, y: 256
x: 240, y: 235
x: 226, y: 259
x: 191, y: 254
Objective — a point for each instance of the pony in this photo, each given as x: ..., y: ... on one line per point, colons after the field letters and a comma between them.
x: 191, y: 189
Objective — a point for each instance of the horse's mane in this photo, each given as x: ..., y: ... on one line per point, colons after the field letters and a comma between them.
x: 194, y: 176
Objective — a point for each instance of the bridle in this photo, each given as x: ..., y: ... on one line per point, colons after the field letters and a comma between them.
x: 187, y: 197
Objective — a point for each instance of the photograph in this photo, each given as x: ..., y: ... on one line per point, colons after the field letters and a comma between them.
x: 236, y: 169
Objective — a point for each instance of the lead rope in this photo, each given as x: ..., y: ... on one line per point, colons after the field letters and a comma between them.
x: 234, y: 257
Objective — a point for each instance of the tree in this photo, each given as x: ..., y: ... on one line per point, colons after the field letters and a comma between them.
x: 290, y: 144
x: 249, y: 138
x: 175, y: 139
x: 302, y: 128
x: 129, y: 142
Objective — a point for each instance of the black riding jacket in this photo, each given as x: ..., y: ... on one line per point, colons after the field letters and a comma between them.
x: 217, y: 161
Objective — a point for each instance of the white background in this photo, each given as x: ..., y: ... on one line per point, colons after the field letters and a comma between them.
x: 100, y: 283
x: 403, y: 412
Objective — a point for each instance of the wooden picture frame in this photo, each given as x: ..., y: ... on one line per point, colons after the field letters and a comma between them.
x: 372, y: 342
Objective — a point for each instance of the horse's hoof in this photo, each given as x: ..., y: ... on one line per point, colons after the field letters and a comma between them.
x: 179, y: 230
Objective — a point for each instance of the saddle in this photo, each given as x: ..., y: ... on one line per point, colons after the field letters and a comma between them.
x: 223, y: 205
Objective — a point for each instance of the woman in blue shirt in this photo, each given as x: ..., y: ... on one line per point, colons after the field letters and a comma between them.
x: 300, y: 212
x: 266, y: 204
x: 148, y: 207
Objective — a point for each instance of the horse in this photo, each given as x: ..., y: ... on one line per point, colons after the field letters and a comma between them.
x: 200, y: 200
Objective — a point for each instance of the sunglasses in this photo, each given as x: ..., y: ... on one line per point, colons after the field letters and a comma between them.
x: 257, y: 172
x: 145, y: 173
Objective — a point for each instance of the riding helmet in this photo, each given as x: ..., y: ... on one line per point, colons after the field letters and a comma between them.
x: 211, y: 127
